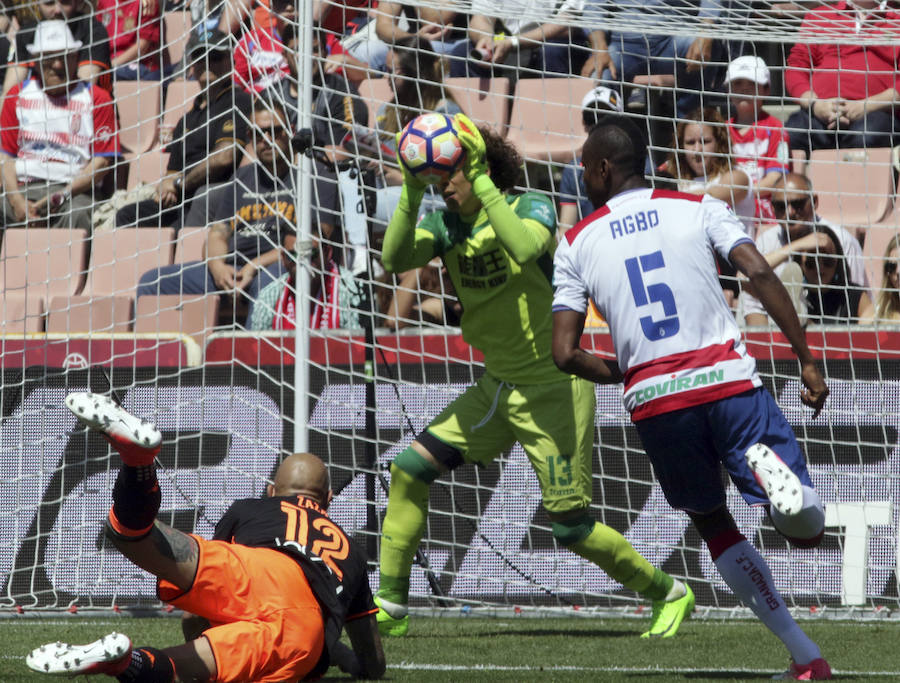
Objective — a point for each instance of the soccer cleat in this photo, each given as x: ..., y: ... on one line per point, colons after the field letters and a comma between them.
x: 781, y: 485
x: 110, y: 655
x: 667, y: 616
x: 816, y: 670
x: 136, y: 440
x: 388, y: 625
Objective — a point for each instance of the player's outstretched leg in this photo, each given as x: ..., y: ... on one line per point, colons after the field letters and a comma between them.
x: 111, y: 655
x: 673, y: 600
x: 404, y: 524
x: 796, y: 509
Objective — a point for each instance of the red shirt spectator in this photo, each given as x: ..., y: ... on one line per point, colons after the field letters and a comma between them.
x: 134, y: 31
x: 53, y: 138
x: 761, y: 149
x: 853, y: 72
x: 259, y: 60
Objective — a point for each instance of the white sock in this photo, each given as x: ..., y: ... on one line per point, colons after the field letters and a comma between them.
x: 746, y: 573
x: 807, y: 523
x: 676, y: 592
x: 395, y: 609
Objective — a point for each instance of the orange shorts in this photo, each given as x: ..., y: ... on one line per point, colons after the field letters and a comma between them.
x: 266, y: 622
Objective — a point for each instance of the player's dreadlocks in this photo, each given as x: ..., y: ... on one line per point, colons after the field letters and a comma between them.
x: 503, y: 159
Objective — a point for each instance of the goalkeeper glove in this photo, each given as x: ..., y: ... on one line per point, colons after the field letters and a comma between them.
x: 413, y: 188
x: 475, y: 164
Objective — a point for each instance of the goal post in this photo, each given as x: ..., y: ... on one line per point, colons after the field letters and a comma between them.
x: 233, y: 401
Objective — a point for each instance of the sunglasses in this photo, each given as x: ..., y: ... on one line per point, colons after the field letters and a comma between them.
x: 795, y: 204
x: 890, y: 267
x: 820, y: 261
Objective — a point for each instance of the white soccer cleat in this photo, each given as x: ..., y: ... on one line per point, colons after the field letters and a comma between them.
x: 136, y: 440
x: 781, y: 485
x: 110, y: 655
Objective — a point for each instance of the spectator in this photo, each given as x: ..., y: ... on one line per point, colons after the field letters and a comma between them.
x: 398, y: 21
x: 702, y: 163
x: 503, y: 33
x: 887, y: 304
x: 832, y: 296
x: 134, y: 28
x: 207, y: 143
x: 250, y: 215
x: 620, y: 56
x: 846, y: 92
x: 573, y: 201
x: 422, y: 295
x: 416, y: 80
x: 794, y: 203
x: 759, y: 141
x: 334, y: 293
x: 93, y: 58
x: 258, y: 59
x: 59, y: 137
x: 366, y: 49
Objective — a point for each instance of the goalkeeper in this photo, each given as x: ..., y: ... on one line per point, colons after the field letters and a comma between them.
x: 498, y: 251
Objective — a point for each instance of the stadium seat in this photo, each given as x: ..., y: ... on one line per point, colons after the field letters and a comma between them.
x: 176, y: 32
x: 195, y: 316
x: 179, y: 99
x: 139, y: 105
x: 120, y: 257
x: 545, y: 123
x: 484, y: 100
x: 190, y: 245
x: 147, y: 168
x: 877, y: 238
x: 80, y: 314
x: 20, y: 312
x: 375, y: 92
x: 42, y: 263
x: 855, y: 186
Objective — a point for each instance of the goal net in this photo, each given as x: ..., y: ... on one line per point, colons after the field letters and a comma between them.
x: 122, y: 305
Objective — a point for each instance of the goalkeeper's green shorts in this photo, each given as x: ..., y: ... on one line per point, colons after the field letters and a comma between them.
x: 553, y: 422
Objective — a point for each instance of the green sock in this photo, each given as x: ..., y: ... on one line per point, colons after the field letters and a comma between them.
x: 404, y: 524
x: 612, y: 552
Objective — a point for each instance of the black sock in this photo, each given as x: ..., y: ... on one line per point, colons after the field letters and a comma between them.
x: 148, y: 665
x: 136, y: 499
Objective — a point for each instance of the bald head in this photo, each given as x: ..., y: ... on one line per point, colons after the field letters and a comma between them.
x: 794, y: 182
x: 302, y: 474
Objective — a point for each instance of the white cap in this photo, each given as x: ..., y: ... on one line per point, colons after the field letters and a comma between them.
x: 604, y: 96
x: 749, y: 67
x: 53, y: 36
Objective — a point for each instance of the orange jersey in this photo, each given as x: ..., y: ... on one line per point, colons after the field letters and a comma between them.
x: 335, y: 566
x: 266, y: 624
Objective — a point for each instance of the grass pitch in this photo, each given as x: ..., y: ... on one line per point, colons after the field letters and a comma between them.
x: 535, y: 649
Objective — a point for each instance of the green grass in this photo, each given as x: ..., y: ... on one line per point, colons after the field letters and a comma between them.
x: 516, y: 649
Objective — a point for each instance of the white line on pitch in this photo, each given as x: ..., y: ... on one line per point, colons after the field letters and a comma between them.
x: 411, y: 666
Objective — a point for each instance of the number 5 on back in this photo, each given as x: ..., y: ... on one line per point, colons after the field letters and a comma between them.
x: 644, y: 295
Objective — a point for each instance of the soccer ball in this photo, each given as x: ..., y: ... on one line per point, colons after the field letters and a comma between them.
x: 430, y: 148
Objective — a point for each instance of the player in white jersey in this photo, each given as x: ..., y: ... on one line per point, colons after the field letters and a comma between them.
x: 646, y: 259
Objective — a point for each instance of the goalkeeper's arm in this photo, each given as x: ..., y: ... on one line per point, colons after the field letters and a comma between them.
x: 524, y: 239
x: 366, y: 659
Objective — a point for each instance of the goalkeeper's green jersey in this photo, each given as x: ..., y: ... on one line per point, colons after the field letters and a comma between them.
x: 506, y: 305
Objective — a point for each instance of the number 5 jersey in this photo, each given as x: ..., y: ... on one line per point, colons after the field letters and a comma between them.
x: 646, y: 259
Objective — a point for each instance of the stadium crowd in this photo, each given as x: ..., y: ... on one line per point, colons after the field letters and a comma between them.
x: 138, y: 160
